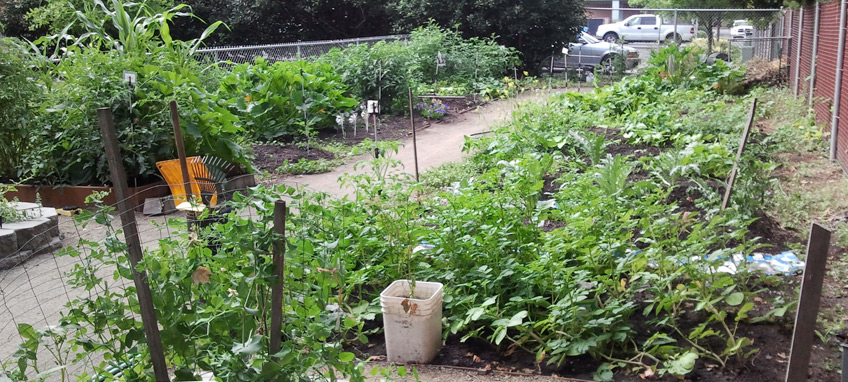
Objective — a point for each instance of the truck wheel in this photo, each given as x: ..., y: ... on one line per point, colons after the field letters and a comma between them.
x: 607, y: 65
x: 673, y: 38
x: 611, y: 37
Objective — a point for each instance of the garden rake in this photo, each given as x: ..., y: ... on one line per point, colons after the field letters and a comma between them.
x: 210, y: 173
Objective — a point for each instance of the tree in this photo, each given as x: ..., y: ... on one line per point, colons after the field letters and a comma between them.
x: 534, y: 27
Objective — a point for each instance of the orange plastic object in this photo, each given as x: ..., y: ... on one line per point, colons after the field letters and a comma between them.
x: 170, y: 170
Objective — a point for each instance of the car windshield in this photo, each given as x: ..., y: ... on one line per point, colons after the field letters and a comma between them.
x: 739, y: 23
x: 588, y: 38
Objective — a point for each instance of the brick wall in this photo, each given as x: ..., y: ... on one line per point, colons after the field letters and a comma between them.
x: 825, y: 78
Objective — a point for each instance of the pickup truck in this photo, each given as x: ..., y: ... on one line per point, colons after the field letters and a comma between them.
x: 644, y: 27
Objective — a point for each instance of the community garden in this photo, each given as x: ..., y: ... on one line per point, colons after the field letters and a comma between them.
x: 584, y: 237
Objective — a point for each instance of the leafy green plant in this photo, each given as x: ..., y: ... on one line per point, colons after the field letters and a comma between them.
x: 89, y: 75
x: 284, y: 98
x: 19, y: 98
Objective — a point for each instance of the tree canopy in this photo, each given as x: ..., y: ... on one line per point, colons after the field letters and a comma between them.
x: 534, y: 27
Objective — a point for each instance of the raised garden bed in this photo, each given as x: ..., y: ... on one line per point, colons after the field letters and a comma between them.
x: 37, y: 235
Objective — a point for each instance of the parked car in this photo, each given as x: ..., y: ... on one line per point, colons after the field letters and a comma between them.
x: 645, y: 28
x: 741, y: 29
x: 588, y: 53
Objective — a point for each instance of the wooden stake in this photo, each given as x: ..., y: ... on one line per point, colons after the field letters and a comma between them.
x: 733, y: 171
x: 414, y: 140
x: 181, y: 154
x: 276, y: 330
x: 808, y: 305
x: 145, y: 300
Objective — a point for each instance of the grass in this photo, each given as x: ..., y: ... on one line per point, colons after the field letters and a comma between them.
x: 811, y: 189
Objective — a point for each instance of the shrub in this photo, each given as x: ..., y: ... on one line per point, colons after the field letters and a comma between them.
x: 88, y: 77
x: 272, y: 98
x: 19, y: 97
x: 411, y: 63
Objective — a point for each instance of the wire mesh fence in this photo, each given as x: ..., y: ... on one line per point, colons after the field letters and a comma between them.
x: 737, y: 35
x: 285, y: 51
x: 68, y: 306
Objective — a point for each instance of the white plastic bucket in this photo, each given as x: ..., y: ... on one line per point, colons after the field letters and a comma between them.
x: 413, y: 326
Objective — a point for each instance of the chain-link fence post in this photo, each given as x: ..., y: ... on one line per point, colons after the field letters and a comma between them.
x: 837, y: 88
x: 815, y: 53
x: 796, y: 84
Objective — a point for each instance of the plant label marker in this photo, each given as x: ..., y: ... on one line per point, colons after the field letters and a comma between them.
x: 373, y: 106
x: 130, y: 77
x: 808, y: 304
x: 735, y: 168
x: 142, y: 288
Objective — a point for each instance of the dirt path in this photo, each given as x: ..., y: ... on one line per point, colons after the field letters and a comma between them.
x: 438, y: 144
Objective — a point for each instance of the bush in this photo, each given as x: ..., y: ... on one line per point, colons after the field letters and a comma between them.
x: 19, y: 97
x: 70, y: 150
x: 86, y: 77
x: 413, y: 62
x: 271, y: 98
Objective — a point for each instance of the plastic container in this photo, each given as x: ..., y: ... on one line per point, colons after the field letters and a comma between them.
x: 413, y: 326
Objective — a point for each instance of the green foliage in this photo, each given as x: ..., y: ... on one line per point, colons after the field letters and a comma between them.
x: 539, y: 251
x: 89, y: 75
x: 52, y: 16
x: 412, y: 63
x: 8, y: 212
x: 535, y: 28
x: 272, y: 99
x: 19, y: 98
x: 447, y: 174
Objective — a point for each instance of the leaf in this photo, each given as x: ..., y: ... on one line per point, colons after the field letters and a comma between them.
x: 499, y: 335
x: 475, y: 313
x: 682, y: 365
x: 250, y: 347
x: 346, y: 356
x: 603, y: 373
x: 517, y: 319
x: 735, y: 298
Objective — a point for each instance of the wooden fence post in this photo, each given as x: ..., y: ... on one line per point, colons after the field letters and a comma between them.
x: 735, y: 169
x: 181, y: 154
x: 808, y: 305
x: 145, y: 300
x: 275, y: 333
x: 414, y: 140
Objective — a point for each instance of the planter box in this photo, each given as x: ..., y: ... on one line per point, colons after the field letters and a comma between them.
x: 413, y: 326
x: 61, y: 196
x: 37, y: 235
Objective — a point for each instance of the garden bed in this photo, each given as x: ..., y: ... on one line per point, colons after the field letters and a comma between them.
x: 65, y: 196
x: 269, y: 157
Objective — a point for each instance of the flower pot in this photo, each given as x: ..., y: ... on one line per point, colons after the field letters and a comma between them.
x: 413, y: 326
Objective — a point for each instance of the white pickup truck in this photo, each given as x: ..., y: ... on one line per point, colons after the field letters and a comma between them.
x: 644, y: 28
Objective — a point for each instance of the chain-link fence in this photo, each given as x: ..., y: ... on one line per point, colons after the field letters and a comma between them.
x: 737, y: 35
x: 285, y: 51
